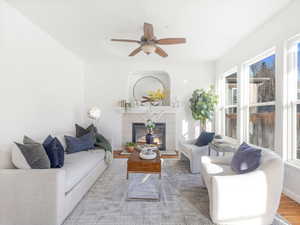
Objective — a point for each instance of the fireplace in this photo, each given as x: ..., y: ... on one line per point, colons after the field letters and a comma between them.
x: 139, y: 132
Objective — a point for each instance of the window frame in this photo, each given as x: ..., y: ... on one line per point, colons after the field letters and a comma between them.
x: 291, y: 58
x: 224, y: 107
x: 245, y: 101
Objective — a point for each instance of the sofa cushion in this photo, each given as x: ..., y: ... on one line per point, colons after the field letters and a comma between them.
x: 79, y: 164
x: 205, y: 138
x: 83, y: 143
x: 55, y: 152
x: 34, y: 154
x: 215, y: 169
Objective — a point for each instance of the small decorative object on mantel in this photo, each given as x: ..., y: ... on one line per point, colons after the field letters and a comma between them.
x: 130, y: 147
x: 124, y: 104
x: 202, y: 105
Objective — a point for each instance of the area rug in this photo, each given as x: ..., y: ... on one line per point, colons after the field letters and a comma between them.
x: 182, y: 200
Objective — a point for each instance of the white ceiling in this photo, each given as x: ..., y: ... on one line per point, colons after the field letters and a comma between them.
x: 211, y: 26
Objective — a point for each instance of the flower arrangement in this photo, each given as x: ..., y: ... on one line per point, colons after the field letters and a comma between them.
x: 154, y: 96
x: 150, y: 125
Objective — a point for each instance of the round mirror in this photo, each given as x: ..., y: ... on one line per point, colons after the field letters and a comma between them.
x: 145, y: 84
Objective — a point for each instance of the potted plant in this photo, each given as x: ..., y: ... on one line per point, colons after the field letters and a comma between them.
x: 130, y: 146
x: 202, y: 105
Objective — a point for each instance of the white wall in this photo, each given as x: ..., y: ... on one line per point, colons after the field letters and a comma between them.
x: 274, y: 33
x: 41, y: 83
x: 106, y: 83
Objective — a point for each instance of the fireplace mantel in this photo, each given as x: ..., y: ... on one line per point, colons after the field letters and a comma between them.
x: 156, y: 110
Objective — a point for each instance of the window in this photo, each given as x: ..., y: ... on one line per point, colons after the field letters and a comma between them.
x: 231, y: 105
x: 294, y: 95
x: 261, y: 102
x: 298, y: 102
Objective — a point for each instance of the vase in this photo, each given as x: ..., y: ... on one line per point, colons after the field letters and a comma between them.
x: 149, y: 137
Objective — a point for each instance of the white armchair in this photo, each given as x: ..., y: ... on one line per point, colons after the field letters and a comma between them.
x: 194, y: 154
x: 244, y: 199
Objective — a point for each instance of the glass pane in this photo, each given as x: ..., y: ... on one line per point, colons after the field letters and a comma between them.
x: 298, y: 131
x: 231, y: 122
x: 262, y: 80
x: 298, y: 65
x: 231, y: 89
x: 262, y: 126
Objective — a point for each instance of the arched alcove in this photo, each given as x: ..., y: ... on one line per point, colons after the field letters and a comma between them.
x: 145, y: 81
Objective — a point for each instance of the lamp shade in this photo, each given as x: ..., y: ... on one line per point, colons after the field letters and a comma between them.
x: 148, y: 48
x: 94, y: 113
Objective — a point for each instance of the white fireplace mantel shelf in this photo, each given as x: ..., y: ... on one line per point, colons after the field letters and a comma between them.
x: 155, y: 109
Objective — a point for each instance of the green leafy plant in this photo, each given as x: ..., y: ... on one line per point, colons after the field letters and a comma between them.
x: 202, y: 105
x: 130, y: 144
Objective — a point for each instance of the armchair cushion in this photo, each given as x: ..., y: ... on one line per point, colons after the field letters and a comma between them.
x: 205, y: 138
x: 246, y: 159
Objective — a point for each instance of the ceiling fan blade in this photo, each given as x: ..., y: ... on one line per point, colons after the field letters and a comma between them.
x: 125, y: 40
x: 135, y: 51
x: 171, y: 41
x: 148, y: 31
x: 160, y: 52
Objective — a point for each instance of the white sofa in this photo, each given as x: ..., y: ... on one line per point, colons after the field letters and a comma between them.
x: 193, y: 153
x: 247, y: 199
x: 46, y: 196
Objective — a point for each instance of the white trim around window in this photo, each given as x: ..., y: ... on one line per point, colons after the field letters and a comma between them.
x: 291, y: 71
x: 222, y: 102
x: 245, y: 102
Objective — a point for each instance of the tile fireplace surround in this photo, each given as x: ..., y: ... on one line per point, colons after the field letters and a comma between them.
x: 168, y: 118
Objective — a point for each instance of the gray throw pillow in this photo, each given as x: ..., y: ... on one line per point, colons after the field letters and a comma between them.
x: 80, y: 131
x: 246, y: 159
x: 34, y: 154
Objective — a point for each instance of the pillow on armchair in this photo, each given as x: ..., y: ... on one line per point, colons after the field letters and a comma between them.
x: 205, y: 138
x: 245, y: 159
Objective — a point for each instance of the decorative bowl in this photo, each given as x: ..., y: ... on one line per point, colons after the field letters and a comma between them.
x: 148, y: 155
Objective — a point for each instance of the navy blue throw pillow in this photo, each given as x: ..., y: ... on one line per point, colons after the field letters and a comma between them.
x: 246, y: 159
x: 48, y: 141
x: 78, y: 144
x: 55, y: 152
x: 205, y: 138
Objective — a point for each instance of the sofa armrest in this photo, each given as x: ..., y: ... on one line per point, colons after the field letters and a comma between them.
x: 32, y: 197
x: 247, y: 195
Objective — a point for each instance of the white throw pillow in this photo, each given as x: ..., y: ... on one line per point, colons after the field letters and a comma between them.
x: 18, y: 158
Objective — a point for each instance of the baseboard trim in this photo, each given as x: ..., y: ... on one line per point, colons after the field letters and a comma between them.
x: 291, y: 195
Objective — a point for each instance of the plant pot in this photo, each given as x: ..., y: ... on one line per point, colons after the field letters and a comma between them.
x: 130, y: 149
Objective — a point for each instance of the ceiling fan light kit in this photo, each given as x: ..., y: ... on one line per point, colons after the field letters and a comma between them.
x: 149, y: 42
x: 148, y: 49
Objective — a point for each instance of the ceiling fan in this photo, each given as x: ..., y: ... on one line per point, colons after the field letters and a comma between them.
x: 149, y: 42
